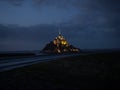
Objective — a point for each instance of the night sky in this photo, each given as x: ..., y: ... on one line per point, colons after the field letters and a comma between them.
x: 87, y: 24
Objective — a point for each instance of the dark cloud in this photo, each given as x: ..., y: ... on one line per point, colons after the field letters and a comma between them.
x: 22, y: 38
x: 99, y: 15
x: 14, y: 2
x: 97, y: 25
x: 77, y: 3
x: 111, y: 5
x: 35, y: 37
x: 94, y: 4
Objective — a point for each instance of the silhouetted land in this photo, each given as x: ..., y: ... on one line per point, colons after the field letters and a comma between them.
x: 96, y: 71
x: 9, y: 55
x: 14, y: 54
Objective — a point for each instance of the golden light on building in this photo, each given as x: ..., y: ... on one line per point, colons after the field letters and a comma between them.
x: 60, y: 45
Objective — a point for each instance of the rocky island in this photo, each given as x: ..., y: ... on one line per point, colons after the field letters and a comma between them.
x: 59, y: 45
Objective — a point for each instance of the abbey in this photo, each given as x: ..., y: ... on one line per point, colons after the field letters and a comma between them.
x: 59, y: 45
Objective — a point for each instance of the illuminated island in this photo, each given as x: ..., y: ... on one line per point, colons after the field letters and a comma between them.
x: 59, y: 45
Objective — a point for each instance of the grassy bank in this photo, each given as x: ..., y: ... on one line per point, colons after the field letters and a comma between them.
x: 74, y: 73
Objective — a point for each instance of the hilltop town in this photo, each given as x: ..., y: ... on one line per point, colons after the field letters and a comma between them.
x: 59, y: 45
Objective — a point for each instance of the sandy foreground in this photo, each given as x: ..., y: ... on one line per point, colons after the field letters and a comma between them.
x: 98, y: 71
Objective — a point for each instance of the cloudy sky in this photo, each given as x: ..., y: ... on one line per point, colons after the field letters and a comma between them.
x: 87, y: 24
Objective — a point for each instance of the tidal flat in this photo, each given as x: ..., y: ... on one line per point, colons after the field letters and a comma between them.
x: 87, y: 72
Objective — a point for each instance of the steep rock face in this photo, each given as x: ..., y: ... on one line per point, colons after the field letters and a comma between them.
x: 59, y: 45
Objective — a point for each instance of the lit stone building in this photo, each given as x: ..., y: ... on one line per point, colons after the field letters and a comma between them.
x: 59, y: 45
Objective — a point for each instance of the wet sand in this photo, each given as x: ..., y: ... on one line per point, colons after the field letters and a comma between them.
x: 97, y: 71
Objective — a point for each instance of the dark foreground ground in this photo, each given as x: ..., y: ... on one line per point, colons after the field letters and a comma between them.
x: 97, y: 71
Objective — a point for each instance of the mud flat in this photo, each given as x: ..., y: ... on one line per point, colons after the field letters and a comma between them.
x: 88, y: 72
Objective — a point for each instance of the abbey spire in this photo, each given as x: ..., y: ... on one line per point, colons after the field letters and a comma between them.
x: 59, y: 32
x: 59, y: 45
